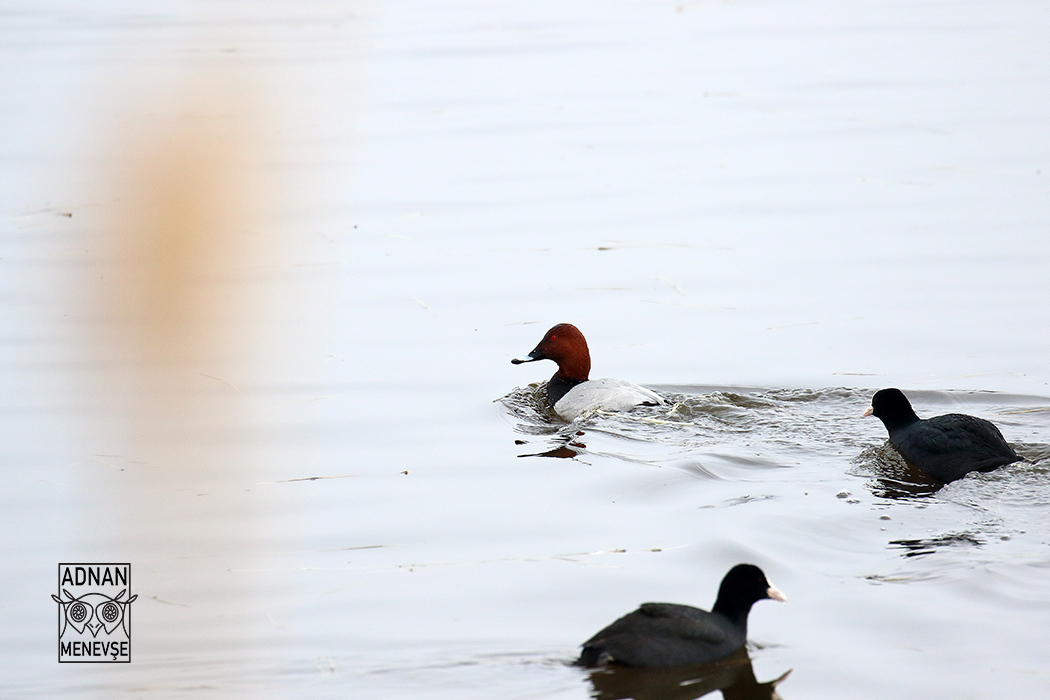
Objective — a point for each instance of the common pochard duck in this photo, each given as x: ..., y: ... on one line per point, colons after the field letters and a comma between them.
x: 570, y: 393
x: 667, y: 634
x: 946, y: 447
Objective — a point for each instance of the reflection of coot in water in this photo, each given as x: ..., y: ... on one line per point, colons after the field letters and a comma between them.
x: 666, y: 634
x: 895, y: 478
x: 733, y: 675
x: 946, y: 447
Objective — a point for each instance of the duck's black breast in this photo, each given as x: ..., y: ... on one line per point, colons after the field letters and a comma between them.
x: 665, y: 634
x: 558, y: 387
x: 951, y: 446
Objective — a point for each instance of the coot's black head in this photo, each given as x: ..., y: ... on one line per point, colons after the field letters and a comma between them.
x: 742, y: 587
x: 892, y: 407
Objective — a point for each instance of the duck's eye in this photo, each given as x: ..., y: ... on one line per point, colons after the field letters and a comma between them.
x: 553, y: 337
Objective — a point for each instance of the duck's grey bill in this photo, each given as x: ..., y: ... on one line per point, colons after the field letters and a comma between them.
x: 522, y: 360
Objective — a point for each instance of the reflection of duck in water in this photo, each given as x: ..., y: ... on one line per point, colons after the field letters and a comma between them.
x: 733, y: 675
x: 660, y: 635
x: 945, y: 447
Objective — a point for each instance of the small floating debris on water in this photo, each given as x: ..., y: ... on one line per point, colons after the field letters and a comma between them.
x: 308, y: 478
x: 888, y: 578
x: 844, y: 493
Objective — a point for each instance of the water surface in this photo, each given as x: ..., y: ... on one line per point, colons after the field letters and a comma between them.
x: 317, y: 461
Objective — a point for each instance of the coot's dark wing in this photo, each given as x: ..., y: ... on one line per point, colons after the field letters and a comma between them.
x: 663, y: 634
x: 950, y: 446
x: 687, y: 622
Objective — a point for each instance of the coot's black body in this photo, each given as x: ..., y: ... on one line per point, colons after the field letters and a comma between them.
x: 667, y: 634
x: 946, y: 447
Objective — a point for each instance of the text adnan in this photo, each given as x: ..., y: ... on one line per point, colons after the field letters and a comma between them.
x: 94, y: 576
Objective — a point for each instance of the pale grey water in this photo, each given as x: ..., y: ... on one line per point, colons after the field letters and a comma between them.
x: 767, y: 210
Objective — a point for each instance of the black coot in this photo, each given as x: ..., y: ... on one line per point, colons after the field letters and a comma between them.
x: 666, y: 634
x: 946, y: 447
